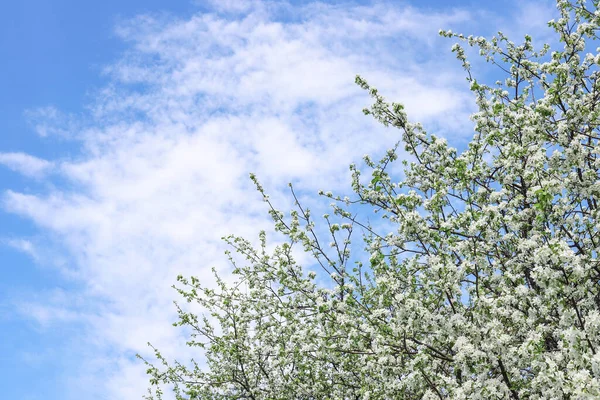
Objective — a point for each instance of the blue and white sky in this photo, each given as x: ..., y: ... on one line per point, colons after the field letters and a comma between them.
x: 127, y: 132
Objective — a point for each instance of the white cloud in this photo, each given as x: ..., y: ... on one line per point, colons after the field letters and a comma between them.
x: 23, y: 245
x: 163, y: 171
x: 231, y: 6
x: 49, y: 121
x: 26, y: 164
x: 532, y: 19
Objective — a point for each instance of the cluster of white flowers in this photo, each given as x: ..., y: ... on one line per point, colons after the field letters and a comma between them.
x: 489, y: 285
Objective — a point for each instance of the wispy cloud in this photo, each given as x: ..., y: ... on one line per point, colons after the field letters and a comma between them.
x: 23, y: 245
x: 193, y: 107
x: 26, y: 164
x: 50, y: 121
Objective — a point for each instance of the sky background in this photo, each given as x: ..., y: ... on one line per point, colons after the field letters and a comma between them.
x: 127, y: 133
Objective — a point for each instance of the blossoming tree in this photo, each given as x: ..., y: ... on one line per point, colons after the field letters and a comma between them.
x: 488, y: 287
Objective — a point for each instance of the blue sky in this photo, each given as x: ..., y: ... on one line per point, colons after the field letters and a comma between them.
x: 128, y: 129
